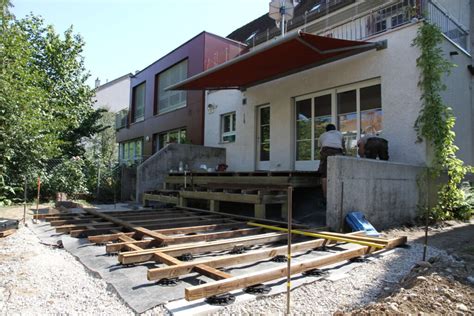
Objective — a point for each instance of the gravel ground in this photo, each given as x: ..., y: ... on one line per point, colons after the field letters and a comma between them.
x: 363, y: 285
x: 36, y: 279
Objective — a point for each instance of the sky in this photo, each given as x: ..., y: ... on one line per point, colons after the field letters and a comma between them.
x: 123, y: 36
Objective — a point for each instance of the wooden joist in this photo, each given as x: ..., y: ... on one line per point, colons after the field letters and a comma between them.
x: 141, y: 230
x: 201, y: 247
x: 170, y: 231
x: 242, y: 281
x: 116, y: 247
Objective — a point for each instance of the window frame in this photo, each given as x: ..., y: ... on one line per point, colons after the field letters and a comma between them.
x: 134, y: 118
x: 156, y: 138
x: 128, y: 147
x: 156, y: 109
x: 309, y: 164
x: 233, y: 127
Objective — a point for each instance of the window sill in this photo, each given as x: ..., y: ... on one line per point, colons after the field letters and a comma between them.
x: 225, y: 143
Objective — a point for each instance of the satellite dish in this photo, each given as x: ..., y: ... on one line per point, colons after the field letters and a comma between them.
x: 281, y: 11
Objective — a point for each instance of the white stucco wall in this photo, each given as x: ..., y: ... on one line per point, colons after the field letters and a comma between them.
x: 397, y: 71
x: 458, y: 96
x: 400, y: 103
x: 113, y: 96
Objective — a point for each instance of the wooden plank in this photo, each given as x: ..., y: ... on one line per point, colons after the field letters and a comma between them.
x: 203, y: 269
x: 223, y: 261
x: 247, y: 218
x: 161, y: 198
x: 222, y: 196
x: 115, y: 247
x: 228, y: 244
x: 82, y: 233
x: 144, y: 231
x: 8, y: 232
x: 134, y: 223
x: 238, y: 282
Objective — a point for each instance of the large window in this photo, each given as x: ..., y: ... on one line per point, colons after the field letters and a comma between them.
x: 347, y: 119
x: 169, y: 100
x: 138, y: 104
x: 228, y: 127
x: 312, y: 116
x: 355, y: 109
x: 131, y: 152
x: 177, y: 136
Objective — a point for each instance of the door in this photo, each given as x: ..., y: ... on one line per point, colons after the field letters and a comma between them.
x: 263, y: 138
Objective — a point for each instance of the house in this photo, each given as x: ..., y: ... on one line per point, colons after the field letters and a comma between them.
x: 113, y: 95
x: 157, y: 117
x: 351, y: 63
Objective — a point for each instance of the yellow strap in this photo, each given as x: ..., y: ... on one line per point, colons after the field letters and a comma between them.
x: 318, y: 235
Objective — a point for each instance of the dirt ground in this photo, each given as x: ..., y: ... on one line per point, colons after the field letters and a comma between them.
x: 439, y: 285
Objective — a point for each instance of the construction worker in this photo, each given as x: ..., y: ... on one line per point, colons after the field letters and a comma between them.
x: 332, y: 144
x: 372, y: 146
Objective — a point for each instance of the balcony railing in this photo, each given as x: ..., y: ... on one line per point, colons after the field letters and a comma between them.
x: 121, y: 119
x: 452, y: 29
x: 368, y: 18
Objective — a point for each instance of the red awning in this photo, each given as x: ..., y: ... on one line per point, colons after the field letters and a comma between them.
x: 277, y: 59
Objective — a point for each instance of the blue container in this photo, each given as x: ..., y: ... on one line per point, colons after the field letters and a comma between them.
x: 357, y: 222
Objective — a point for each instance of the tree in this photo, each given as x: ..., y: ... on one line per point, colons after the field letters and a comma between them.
x: 45, y: 103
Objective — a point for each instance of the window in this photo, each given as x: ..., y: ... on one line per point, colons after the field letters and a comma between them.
x: 169, y: 100
x: 356, y: 110
x: 131, y: 151
x: 177, y: 136
x: 347, y: 119
x: 370, y: 110
x: 138, y: 105
x: 312, y: 115
x: 228, y: 128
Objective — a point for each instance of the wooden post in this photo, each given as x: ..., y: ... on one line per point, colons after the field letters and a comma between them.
x: 214, y: 205
x: 38, y: 195
x: 259, y: 211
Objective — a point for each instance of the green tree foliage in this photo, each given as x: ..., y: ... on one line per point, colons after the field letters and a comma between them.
x: 435, y: 124
x: 67, y: 177
x: 45, y: 103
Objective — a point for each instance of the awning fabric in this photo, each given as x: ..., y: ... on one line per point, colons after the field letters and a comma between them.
x: 282, y: 57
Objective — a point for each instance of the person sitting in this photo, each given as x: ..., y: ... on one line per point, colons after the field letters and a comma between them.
x: 332, y: 144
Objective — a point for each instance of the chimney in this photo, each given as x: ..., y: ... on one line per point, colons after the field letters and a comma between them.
x: 97, y: 82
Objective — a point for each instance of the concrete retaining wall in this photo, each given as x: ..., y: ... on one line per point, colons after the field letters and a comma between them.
x: 152, y: 172
x: 386, y: 192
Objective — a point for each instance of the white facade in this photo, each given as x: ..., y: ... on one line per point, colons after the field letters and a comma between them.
x: 394, y: 68
x: 114, y: 95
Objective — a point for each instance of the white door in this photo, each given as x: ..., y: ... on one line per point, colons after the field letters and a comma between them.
x: 263, y: 138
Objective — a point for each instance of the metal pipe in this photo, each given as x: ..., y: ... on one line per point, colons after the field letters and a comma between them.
x: 288, y: 270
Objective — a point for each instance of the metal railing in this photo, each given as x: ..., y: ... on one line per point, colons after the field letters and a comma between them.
x: 121, y: 119
x: 452, y: 29
x: 369, y: 18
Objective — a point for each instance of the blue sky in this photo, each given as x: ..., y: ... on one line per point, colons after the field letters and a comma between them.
x: 126, y: 35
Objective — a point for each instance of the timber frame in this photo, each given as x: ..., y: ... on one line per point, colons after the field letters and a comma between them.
x: 169, y: 235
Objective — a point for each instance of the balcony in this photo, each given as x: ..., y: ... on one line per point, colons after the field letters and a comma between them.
x: 364, y: 19
x: 121, y: 119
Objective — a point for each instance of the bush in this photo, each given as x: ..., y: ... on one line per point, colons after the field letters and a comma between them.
x: 67, y: 177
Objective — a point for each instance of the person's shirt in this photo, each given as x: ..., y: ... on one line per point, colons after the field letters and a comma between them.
x: 363, y: 140
x: 331, y: 139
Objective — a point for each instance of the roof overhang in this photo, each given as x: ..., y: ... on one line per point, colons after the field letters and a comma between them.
x: 284, y: 56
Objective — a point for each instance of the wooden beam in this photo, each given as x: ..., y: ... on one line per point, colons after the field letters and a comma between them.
x: 242, y: 281
x: 228, y: 244
x: 223, y: 261
x: 135, y: 223
x: 222, y: 196
x: 116, y: 247
x: 82, y: 233
x: 247, y: 218
x: 141, y: 230
x: 170, y: 231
